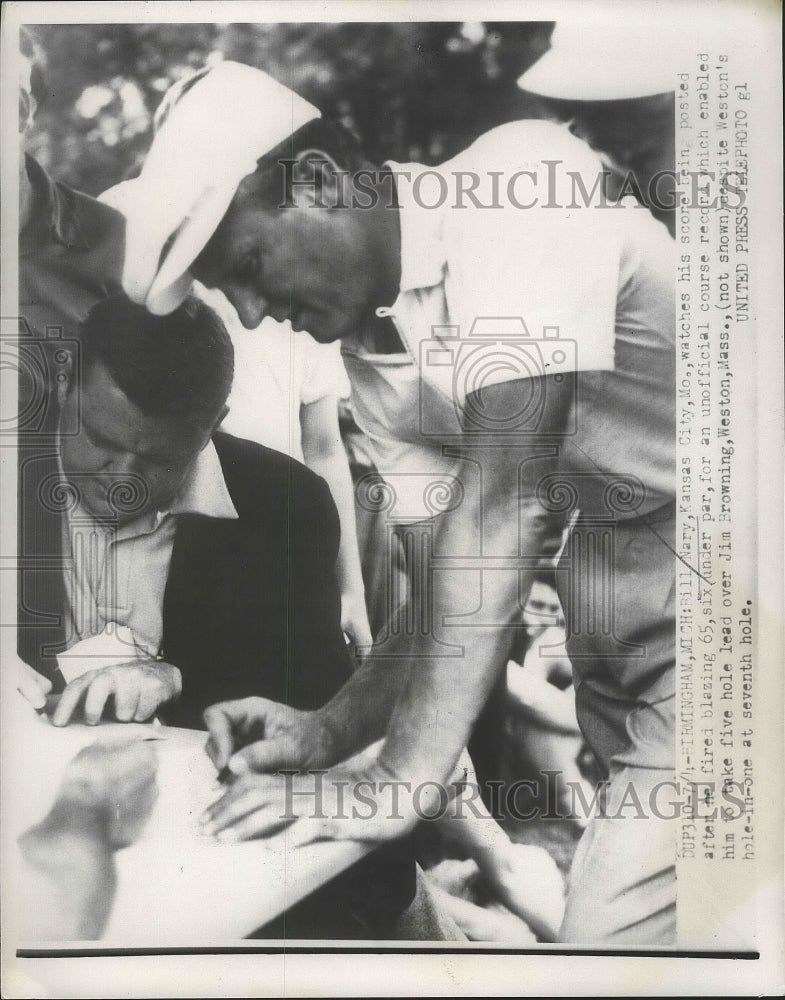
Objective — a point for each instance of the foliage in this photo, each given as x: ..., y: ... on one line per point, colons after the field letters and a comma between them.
x: 409, y: 90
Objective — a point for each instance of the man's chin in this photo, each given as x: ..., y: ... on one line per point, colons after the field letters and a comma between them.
x: 325, y: 328
x: 114, y: 506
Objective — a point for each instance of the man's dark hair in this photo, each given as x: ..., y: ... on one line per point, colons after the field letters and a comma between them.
x: 180, y: 365
x: 274, y: 174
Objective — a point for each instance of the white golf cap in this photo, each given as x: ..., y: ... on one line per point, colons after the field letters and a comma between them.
x: 606, y: 62
x: 210, y: 139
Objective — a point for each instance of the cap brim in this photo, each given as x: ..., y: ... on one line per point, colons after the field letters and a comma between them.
x: 173, y: 278
x: 559, y: 75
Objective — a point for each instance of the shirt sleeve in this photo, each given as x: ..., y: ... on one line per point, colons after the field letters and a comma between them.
x: 550, y: 255
x: 323, y: 372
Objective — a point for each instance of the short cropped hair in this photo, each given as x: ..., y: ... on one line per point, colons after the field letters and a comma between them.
x: 179, y: 366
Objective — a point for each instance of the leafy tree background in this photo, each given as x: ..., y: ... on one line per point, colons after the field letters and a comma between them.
x: 411, y: 91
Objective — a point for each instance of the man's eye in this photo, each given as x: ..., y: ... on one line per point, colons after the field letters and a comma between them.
x: 95, y: 438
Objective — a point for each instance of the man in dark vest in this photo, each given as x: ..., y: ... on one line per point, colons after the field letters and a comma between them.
x: 167, y: 566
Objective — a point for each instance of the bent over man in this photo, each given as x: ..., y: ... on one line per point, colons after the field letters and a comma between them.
x: 510, y: 331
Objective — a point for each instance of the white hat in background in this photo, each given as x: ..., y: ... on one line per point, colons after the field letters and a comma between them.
x: 606, y: 62
x: 209, y: 140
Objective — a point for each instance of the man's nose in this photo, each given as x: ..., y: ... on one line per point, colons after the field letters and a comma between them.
x: 250, y: 306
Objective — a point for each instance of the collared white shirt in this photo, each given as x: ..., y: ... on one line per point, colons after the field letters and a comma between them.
x: 590, y: 281
x: 115, y: 575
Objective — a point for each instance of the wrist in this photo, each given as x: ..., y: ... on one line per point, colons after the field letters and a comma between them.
x: 171, y: 677
x: 327, y: 749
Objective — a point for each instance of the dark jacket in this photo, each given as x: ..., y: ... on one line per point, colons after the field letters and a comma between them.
x: 251, y: 606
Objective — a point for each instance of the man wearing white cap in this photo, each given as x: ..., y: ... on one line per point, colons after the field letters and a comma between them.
x: 571, y: 389
x: 620, y: 100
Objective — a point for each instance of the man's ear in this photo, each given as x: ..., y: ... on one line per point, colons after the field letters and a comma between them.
x: 316, y: 180
x: 65, y: 378
x: 218, y: 421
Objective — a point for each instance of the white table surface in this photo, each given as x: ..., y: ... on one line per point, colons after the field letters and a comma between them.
x: 176, y: 885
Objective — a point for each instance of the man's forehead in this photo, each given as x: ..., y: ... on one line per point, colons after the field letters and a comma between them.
x: 224, y: 247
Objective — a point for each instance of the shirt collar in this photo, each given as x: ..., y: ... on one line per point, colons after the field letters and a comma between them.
x: 204, y: 491
x: 52, y: 213
x: 423, y: 254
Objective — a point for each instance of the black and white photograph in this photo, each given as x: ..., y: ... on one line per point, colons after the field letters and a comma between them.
x: 391, y: 513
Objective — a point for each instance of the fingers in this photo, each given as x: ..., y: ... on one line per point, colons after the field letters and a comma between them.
x: 220, y: 742
x: 265, y: 756
x: 231, y: 725
x: 70, y: 698
x: 259, y: 806
x: 138, y: 689
x: 262, y: 823
x: 33, y: 686
x: 242, y: 712
x: 253, y: 807
x: 126, y: 701
x: 98, y: 692
x: 149, y: 697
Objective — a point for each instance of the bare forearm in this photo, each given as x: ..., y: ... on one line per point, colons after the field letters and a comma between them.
x: 434, y: 715
x: 325, y: 455
x: 334, y: 469
x: 477, y: 566
x: 360, y: 712
x: 427, y: 703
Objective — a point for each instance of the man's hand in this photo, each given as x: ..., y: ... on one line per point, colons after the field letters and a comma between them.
x: 254, y: 734
x: 363, y: 802
x: 137, y: 687
x: 34, y: 687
